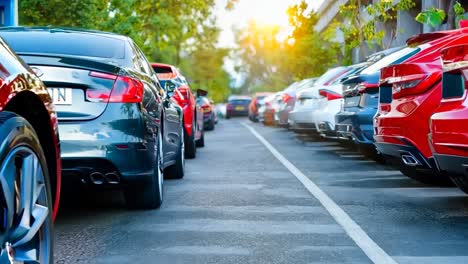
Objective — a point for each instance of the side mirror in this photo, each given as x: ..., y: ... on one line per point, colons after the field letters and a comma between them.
x: 201, y: 92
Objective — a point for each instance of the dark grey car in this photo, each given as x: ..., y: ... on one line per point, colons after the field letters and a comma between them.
x: 117, y: 126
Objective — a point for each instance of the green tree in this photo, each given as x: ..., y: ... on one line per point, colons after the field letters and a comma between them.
x: 169, y: 31
x: 359, y: 20
x: 269, y: 61
x: 72, y: 13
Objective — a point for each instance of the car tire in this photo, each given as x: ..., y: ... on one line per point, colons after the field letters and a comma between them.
x: 211, y: 125
x: 461, y: 181
x: 20, y: 151
x: 427, y: 177
x: 371, y: 153
x: 149, y: 195
x: 190, y: 144
x: 177, y: 171
x: 201, y: 141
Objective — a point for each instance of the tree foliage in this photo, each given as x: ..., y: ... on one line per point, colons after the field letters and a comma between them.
x: 168, y: 31
x: 271, y: 58
x: 360, y: 18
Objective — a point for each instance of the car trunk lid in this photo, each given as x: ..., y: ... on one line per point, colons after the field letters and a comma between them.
x: 79, y: 87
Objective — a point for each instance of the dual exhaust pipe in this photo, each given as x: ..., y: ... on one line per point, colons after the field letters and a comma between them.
x: 98, y: 178
x: 410, y: 160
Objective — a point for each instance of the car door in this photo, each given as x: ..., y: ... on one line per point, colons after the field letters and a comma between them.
x: 151, y: 105
x: 170, y: 114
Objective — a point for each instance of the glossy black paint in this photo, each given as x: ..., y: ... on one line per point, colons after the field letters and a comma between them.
x: 108, y: 137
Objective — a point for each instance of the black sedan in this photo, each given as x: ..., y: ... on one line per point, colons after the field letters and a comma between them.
x: 117, y: 126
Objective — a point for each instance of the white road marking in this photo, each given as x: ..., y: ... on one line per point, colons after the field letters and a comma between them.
x: 375, y: 253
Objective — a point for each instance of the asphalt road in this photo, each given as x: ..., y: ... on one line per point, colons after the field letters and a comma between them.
x: 239, y: 204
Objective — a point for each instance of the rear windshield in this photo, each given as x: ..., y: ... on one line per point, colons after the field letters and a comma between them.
x: 394, y: 58
x: 329, y: 75
x: 65, y: 43
x: 159, y: 69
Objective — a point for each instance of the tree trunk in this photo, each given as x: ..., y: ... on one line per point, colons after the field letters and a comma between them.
x: 451, y: 15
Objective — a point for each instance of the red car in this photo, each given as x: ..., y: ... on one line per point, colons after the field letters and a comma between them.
x: 409, y: 94
x: 448, y: 135
x: 179, y: 90
x: 30, y: 169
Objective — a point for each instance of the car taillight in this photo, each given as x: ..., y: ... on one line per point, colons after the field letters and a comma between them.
x: 410, y: 79
x: 124, y: 90
x: 455, y: 67
x: 286, y: 97
x: 206, y: 108
x: 330, y: 95
x: 182, y: 96
x: 229, y: 107
x: 365, y: 87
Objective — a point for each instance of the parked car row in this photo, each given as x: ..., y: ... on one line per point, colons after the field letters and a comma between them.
x: 406, y: 106
x: 123, y: 123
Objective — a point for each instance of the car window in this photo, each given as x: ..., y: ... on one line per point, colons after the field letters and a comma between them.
x: 330, y: 74
x: 66, y: 43
x: 394, y: 58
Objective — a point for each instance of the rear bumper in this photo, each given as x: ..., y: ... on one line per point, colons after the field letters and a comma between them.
x: 303, y: 127
x: 356, y: 126
x: 451, y: 164
x: 207, y: 117
x: 326, y: 129
x: 111, y: 143
x: 408, y: 155
x: 237, y: 113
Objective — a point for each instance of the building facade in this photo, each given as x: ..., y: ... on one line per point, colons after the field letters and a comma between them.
x: 396, y: 31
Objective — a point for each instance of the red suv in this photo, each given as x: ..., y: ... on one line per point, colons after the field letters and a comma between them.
x: 409, y: 94
x: 177, y: 87
x: 448, y: 135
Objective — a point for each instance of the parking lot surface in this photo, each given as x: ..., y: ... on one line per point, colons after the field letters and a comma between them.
x: 238, y: 203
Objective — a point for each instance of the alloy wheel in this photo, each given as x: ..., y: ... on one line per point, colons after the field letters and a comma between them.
x: 25, y: 235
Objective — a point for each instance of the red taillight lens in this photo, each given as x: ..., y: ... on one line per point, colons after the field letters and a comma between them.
x: 206, y: 108
x: 286, y: 97
x: 410, y: 79
x: 182, y: 96
x: 364, y: 87
x: 330, y: 95
x: 124, y: 90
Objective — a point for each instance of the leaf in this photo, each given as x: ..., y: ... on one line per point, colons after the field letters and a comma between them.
x: 458, y: 8
x: 432, y: 17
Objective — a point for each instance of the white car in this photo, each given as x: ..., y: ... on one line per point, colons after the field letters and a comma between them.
x: 301, y: 117
x: 330, y: 102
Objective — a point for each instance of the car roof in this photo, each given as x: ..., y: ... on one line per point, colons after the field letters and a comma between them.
x: 162, y: 64
x: 51, y: 29
x: 240, y: 97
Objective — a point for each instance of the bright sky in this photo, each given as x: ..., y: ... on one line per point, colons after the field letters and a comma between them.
x: 262, y: 11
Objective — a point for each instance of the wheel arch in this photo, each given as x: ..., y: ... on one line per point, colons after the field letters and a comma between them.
x: 22, y: 104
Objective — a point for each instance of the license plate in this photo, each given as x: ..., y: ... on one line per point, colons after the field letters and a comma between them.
x: 61, y: 96
x: 239, y: 108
